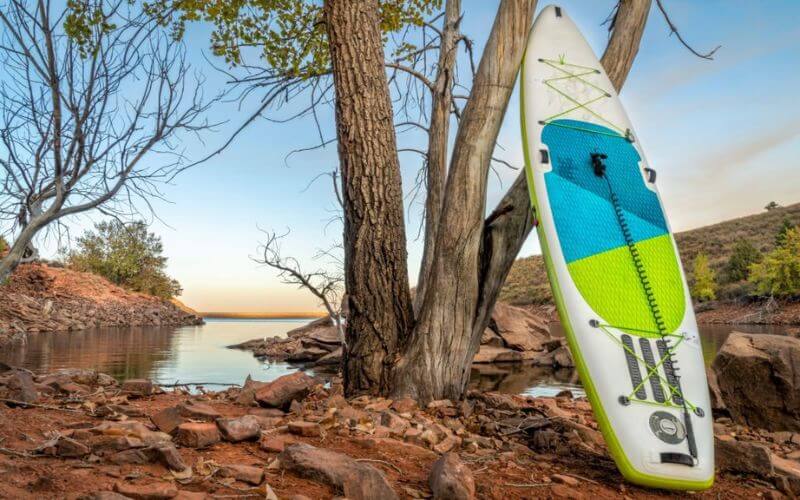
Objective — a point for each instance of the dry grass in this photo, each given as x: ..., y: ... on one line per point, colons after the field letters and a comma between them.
x: 527, y: 282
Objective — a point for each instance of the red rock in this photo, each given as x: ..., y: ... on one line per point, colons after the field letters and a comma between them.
x: 396, y: 424
x: 377, y: 443
x: 138, y: 387
x: 190, y: 495
x: 564, y: 491
x: 358, y: 480
x: 197, y: 434
x: 520, y: 329
x: 168, y: 419
x: 21, y: 387
x: 244, y: 428
x: 405, y: 405
x: 447, y: 444
x: 758, y: 381
x: 308, y: 429
x: 742, y: 457
x: 245, y: 473
x: 198, y: 411
x: 168, y: 455
x: 273, y: 444
x: 282, y: 391
x: 70, y: 448
x: 137, y: 456
x: 563, y: 479
x: 152, y: 490
x: 451, y: 479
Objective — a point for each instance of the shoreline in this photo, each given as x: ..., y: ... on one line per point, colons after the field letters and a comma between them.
x: 245, y: 315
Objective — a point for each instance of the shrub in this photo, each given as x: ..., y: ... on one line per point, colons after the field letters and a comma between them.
x: 704, y: 285
x: 743, y: 256
x: 786, y: 225
x: 779, y: 273
x: 127, y: 255
x: 3, y: 245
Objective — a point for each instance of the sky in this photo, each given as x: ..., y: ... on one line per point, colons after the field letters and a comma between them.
x: 724, y: 136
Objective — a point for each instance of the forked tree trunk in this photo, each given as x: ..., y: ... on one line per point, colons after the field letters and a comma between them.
x: 376, y: 275
x: 437, y: 362
x: 472, y: 261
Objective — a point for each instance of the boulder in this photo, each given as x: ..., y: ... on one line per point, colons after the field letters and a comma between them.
x: 451, y: 479
x: 489, y: 337
x: 20, y: 387
x: 168, y: 419
x: 759, y: 380
x: 197, y: 434
x: 305, y: 330
x: 357, y: 480
x: 282, y: 391
x: 742, y: 457
x: 521, y: 330
x: 246, y: 428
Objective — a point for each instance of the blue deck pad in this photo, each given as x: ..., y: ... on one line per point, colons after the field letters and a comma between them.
x: 581, y: 202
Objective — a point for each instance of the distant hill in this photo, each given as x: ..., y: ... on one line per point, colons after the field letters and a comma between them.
x: 527, y: 281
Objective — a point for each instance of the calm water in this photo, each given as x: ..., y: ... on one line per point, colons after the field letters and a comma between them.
x: 199, y: 354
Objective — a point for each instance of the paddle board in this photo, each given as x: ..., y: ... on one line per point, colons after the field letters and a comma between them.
x: 613, y: 264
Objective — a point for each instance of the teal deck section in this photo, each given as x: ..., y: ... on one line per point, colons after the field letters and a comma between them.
x: 580, y: 201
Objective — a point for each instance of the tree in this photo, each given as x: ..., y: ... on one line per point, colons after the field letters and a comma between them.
x: 743, y: 256
x: 82, y: 108
x: 392, y: 348
x: 778, y: 274
x: 127, y: 255
x: 325, y: 284
x: 786, y: 226
x: 704, y: 284
x: 771, y: 206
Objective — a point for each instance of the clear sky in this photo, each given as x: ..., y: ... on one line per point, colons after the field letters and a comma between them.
x: 723, y: 134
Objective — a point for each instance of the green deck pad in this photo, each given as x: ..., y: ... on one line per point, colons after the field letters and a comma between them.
x: 610, y: 285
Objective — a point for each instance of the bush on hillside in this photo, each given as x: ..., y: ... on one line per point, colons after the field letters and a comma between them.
x: 704, y: 284
x: 127, y: 255
x: 778, y: 274
x: 786, y: 225
x: 743, y: 256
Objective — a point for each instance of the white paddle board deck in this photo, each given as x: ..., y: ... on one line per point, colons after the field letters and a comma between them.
x: 613, y: 264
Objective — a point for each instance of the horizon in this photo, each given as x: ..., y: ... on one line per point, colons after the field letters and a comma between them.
x: 699, y: 122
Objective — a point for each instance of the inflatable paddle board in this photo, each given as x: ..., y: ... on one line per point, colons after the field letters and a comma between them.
x: 613, y: 264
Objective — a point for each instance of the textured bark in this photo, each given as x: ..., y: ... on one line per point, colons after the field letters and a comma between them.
x: 376, y: 275
x: 452, y: 319
x: 629, y: 25
x: 438, y: 135
x: 437, y: 362
x: 506, y: 229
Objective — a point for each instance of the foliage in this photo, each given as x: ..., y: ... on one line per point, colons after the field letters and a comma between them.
x: 127, y: 255
x: 290, y: 34
x: 738, y: 266
x: 771, y: 206
x: 704, y: 285
x: 3, y: 245
x: 786, y: 225
x: 779, y: 273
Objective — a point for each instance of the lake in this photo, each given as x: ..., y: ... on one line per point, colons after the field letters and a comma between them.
x: 199, y: 354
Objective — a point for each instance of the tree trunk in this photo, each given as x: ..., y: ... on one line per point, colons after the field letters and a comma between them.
x: 437, y: 362
x: 438, y: 135
x: 506, y: 229
x: 376, y: 275
x: 17, y: 251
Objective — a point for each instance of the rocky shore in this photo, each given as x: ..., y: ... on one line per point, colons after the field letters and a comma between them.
x: 41, y: 298
x: 80, y: 434
x: 514, y: 335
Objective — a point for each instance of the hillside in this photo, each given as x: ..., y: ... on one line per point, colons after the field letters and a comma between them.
x: 41, y: 298
x: 527, y: 282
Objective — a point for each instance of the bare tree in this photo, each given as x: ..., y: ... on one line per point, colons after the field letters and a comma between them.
x: 89, y: 118
x: 325, y: 284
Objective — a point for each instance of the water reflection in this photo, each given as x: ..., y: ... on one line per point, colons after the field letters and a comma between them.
x: 199, y: 354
